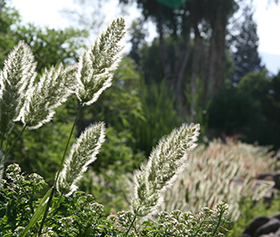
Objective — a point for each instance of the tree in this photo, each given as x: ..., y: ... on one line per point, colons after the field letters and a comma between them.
x: 256, y: 84
x: 208, y: 21
x: 86, y: 14
x: 231, y: 111
x: 48, y: 45
x: 8, y: 17
x: 138, y: 34
x: 53, y: 46
x: 244, y: 46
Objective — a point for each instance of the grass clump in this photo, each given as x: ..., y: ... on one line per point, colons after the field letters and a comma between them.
x: 63, y: 211
x: 220, y: 172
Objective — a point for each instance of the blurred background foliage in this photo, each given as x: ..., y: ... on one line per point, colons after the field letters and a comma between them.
x: 202, y: 67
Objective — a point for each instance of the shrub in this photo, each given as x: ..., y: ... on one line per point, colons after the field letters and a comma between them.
x: 232, y: 111
x: 220, y: 172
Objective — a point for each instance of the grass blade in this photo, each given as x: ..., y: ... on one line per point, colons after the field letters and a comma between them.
x: 39, y: 212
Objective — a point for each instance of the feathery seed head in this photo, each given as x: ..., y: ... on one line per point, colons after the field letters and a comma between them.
x: 166, y: 161
x: 82, y: 154
x: 69, y: 74
x: 44, y: 97
x: 96, y: 64
x: 16, y: 79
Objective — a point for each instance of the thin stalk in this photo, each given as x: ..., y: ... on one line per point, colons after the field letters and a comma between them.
x: 7, y: 153
x: 60, y: 168
x: 126, y: 234
x: 217, y: 226
x: 46, y: 211
x: 199, y: 228
x: 69, y: 138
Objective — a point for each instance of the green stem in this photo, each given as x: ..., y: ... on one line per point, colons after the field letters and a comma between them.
x: 126, y: 234
x: 60, y: 168
x: 69, y: 138
x: 217, y: 226
x: 199, y: 229
x: 7, y: 153
x: 46, y: 211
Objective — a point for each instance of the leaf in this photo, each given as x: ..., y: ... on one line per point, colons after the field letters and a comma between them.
x: 39, y: 212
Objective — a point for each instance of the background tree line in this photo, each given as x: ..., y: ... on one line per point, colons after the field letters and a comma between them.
x: 207, y: 51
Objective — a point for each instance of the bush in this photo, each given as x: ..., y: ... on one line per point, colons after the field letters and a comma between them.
x: 220, y: 172
x: 250, y: 210
x: 232, y: 111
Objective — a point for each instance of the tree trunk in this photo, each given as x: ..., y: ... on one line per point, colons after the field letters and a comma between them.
x: 197, y: 56
x: 164, y: 56
x: 181, y: 65
x: 220, y: 47
x: 216, y: 59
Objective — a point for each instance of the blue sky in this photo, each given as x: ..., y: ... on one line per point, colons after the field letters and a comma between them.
x: 46, y: 13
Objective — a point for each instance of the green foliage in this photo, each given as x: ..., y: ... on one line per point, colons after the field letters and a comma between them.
x: 9, y: 17
x: 50, y: 46
x: 232, y: 111
x: 265, y: 91
x: 160, y: 116
x: 208, y: 222
x: 80, y: 215
x: 250, y: 109
x: 110, y: 188
x: 19, y: 198
x: 116, y: 153
x: 250, y: 210
x: 256, y: 84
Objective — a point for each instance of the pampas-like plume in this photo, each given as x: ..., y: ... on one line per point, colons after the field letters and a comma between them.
x: 15, y: 80
x: 82, y: 154
x: 95, y: 65
x: 53, y: 89
x: 166, y: 161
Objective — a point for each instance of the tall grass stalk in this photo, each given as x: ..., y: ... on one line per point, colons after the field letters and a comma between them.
x: 60, y: 168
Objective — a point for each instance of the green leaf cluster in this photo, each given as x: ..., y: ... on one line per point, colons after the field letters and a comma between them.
x: 251, y: 209
x: 251, y: 109
x: 80, y: 215
x: 19, y: 198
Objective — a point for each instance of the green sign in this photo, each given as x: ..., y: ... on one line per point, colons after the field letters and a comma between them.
x: 173, y: 3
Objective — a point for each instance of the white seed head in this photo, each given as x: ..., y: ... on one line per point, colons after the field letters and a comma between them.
x: 94, y: 73
x: 16, y: 79
x: 82, y: 154
x: 48, y: 94
x: 166, y: 161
